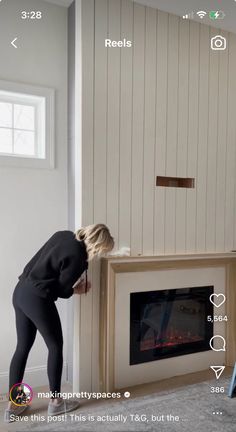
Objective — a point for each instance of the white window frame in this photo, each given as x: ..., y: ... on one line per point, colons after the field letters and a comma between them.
x: 26, y: 93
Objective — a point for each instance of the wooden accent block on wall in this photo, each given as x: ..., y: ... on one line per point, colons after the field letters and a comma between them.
x: 178, y: 182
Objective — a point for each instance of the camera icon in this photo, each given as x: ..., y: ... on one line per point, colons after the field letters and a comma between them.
x: 218, y: 42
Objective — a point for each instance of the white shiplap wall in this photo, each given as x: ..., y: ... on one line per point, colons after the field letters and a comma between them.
x: 166, y: 106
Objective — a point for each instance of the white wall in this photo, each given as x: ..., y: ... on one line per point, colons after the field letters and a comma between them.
x: 33, y: 202
x: 164, y: 107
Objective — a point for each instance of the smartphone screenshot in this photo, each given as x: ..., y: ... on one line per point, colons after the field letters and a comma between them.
x: 118, y: 215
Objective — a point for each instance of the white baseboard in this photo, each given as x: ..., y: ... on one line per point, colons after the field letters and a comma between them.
x: 34, y: 376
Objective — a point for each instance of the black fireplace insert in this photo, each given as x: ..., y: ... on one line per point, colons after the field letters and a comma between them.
x: 169, y: 323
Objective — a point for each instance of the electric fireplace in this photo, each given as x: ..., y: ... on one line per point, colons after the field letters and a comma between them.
x: 168, y: 323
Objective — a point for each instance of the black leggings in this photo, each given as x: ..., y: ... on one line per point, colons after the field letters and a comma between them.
x: 35, y: 313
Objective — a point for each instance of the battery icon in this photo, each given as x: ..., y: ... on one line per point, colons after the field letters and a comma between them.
x: 214, y: 15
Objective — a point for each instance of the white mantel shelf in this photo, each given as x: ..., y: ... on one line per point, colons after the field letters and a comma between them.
x: 112, y: 265
x: 145, y: 263
x: 182, y: 257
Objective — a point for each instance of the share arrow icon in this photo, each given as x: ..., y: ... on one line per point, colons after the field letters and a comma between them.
x: 218, y: 370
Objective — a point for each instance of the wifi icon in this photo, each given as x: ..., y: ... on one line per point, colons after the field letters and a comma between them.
x: 201, y: 14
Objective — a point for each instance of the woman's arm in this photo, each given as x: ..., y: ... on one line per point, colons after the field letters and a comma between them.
x: 70, y: 271
x: 80, y: 287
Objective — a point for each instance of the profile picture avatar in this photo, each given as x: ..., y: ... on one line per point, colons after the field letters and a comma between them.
x: 21, y: 394
x: 218, y: 42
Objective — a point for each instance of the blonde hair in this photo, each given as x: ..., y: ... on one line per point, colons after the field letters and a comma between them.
x: 97, y: 239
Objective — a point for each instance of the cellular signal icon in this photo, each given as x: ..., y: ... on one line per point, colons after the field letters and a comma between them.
x: 189, y: 15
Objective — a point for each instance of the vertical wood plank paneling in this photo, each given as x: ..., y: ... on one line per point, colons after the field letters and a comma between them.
x: 138, y: 129
x: 212, y: 147
x: 87, y: 110
x: 77, y: 343
x: 149, y: 133
x: 203, y: 138
x: 83, y: 311
x: 94, y: 298
x: 192, y: 135
x: 166, y: 106
x: 113, y: 119
x: 182, y: 142
x: 221, y: 148
x: 233, y: 47
x: 100, y: 111
x: 231, y: 147
x: 165, y: 151
x: 161, y: 109
x: 100, y: 166
x: 172, y: 131
x: 125, y: 125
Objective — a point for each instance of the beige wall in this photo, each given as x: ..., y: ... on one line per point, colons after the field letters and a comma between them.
x: 164, y: 107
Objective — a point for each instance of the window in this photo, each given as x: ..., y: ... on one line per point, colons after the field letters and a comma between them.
x: 20, y: 123
x: 26, y: 125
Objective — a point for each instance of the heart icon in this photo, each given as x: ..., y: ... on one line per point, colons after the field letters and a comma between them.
x: 219, y: 299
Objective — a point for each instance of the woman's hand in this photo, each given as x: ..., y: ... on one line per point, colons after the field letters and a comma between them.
x: 80, y: 288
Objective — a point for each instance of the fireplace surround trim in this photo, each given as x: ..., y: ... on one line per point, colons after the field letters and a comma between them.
x: 112, y: 265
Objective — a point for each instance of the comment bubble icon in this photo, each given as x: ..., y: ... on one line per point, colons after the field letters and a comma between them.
x: 217, y: 343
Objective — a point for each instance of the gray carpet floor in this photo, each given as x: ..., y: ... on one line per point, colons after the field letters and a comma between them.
x: 193, y: 404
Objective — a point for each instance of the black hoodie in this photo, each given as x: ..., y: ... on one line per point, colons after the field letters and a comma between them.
x: 55, y: 268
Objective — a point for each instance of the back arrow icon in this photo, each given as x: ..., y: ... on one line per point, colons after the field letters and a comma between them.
x: 13, y: 42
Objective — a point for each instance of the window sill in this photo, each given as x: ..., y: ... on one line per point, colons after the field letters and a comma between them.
x: 27, y: 162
